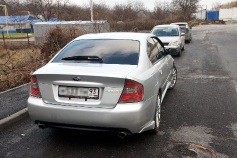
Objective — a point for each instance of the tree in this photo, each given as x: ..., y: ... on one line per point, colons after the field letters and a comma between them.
x: 12, y: 6
x: 101, y: 11
x: 138, y: 6
x: 216, y: 5
x: 2, y: 12
x: 73, y: 12
x: 162, y: 11
x: 185, y: 8
x: 123, y: 13
x: 46, y: 8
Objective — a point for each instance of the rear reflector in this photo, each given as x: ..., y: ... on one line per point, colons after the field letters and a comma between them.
x: 34, y: 87
x: 132, y: 92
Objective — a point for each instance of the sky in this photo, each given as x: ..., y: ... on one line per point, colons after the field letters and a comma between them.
x: 149, y: 4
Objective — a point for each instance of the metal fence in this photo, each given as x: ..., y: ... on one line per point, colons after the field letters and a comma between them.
x: 6, y: 40
x: 41, y: 29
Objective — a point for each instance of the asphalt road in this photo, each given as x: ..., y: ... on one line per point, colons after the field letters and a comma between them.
x: 13, y: 100
x: 199, y: 116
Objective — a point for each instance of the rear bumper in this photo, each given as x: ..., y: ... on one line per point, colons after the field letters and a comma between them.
x: 133, y: 117
x: 187, y: 37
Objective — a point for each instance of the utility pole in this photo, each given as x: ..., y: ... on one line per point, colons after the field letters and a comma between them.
x: 58, y: 10
x: 91, y: 5
x: 6, y: 14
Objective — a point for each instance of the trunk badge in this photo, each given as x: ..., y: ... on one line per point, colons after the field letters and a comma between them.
x: 76, y: 78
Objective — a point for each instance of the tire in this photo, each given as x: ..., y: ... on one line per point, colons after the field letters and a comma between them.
x: 182, y: 48
x: 188, y: 41
x: 157, y: 114
x: 179, y: 53
x: 173, y: 79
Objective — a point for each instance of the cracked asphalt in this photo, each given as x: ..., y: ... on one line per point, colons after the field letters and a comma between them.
x: 198, y: 118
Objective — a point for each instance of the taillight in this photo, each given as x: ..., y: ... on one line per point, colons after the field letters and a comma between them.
x: 34, y: 87
x: 132, y: 92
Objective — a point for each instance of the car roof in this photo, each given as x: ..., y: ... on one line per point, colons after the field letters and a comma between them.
x: 180, y: 23
x: 116, y: 35
x: 171, y: 26
x: 166, y: 25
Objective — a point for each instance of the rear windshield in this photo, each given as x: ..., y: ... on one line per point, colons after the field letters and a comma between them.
x: 165, y: 31
x: 109, y: 51
x: 184, y: 25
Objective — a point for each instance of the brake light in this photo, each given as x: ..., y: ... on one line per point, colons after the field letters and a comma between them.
x: 34, y: 87
x: 132, y: 92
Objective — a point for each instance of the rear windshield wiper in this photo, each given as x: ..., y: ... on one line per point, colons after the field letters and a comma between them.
x: 92, y: 58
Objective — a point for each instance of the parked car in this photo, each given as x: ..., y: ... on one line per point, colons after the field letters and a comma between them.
x: 104, y: 81
x: 171, y: 37
x: 185, y: 28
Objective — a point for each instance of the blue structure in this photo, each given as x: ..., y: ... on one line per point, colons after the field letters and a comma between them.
x: 54, y: 20
x: 19, y: 23
x: 213, y: 15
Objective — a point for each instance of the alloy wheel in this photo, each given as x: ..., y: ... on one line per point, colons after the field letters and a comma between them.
x: 173, y: 77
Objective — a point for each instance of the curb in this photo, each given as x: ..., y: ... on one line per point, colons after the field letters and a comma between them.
x: 14, y: 88
x: 13, y: 118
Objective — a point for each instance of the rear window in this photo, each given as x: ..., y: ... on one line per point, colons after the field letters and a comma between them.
x: 183, y: 25
x: 110, y: 51
x: 165, y: 31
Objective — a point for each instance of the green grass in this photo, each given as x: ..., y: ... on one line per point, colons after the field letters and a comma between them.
x: 16, y: 35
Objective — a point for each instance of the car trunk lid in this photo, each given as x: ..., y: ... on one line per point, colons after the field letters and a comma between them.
x: 72, y: 84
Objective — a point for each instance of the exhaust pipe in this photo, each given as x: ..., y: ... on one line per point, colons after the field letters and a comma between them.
x: 41, y: 126
x: 122, y: 134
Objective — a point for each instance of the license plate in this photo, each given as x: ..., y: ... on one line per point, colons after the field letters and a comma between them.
x: 78, y: 92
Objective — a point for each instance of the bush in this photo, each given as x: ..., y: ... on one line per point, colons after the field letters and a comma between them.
x: 138, y: 25
x: 57, y: 39
x: 17, y: 64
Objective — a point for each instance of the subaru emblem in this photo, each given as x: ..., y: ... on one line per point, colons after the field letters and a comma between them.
x: 76, y: 78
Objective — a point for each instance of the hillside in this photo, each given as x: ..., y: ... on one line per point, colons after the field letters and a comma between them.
x: 229, y: 5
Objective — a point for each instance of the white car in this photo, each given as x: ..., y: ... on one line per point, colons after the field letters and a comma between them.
x: 185, y: 28
x: 171, y: 36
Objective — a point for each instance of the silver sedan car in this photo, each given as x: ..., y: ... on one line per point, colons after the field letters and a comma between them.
x: 104, y: 82
x: 171, y: 36
x: 185, y: 28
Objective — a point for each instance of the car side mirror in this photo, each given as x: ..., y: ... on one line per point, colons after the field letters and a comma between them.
x: 182, y: 34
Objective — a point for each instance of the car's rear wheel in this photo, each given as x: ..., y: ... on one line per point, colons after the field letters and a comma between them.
x: 189, y: 40
x: 157, y: 114
x: 173, y: 79
x: 179, y: 53
x: 182, y: 48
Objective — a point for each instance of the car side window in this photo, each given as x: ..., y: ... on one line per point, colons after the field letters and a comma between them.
x: 154, y: 50
x: 161, y: 50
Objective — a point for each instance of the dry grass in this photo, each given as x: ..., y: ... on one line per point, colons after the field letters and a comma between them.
x: 16, y: 66
x: 18, y: 60
x: 16, y: 36
x: 17, y: 55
